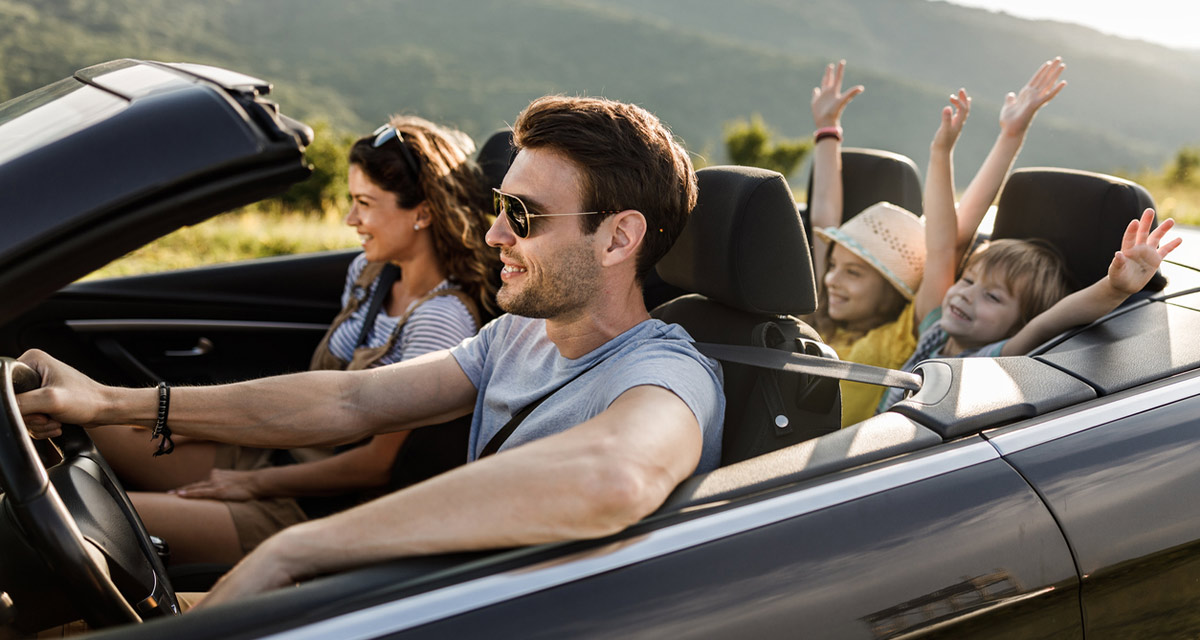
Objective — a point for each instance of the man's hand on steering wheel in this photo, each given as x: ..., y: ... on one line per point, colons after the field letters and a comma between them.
x: 65, y: 397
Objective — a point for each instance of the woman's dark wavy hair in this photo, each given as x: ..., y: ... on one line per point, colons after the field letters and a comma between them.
x: 453, y: 188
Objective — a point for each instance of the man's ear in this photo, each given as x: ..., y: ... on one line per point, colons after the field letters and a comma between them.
x: 626, y: 230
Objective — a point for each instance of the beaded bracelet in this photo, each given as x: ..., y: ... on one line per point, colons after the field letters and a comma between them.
x: 166, y: 445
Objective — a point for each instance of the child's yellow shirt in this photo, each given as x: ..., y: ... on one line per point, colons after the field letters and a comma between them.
x: 888, y: 345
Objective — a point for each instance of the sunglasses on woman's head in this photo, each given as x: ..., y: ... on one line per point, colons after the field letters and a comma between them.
x: 387, y: 132
x: 518, y: 215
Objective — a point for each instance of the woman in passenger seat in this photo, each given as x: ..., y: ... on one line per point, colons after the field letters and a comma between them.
x: 422, y: 283
x: 870, y: 269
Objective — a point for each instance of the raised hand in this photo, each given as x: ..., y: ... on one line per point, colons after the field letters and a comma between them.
x: 1140, y: 254
x: 1019, y: 108
x: 828, y: 100
x: 954, y: 115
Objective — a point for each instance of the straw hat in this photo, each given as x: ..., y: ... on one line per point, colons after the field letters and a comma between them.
x: 889, y: 238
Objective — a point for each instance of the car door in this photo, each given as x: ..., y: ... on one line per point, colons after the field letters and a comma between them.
x: 1121, y: 477
x: 945, y: 542
x: 195, y: 326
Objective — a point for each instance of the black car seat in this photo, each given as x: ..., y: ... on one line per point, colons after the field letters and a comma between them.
x: 1082, y: 214
x: 870, y: 176
x: 745, y: 254
x: 495, y: 156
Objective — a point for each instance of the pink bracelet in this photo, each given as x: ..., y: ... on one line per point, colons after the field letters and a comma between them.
x: 827, y: 132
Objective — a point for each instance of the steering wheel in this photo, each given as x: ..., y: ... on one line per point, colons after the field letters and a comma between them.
x: 78, y: 518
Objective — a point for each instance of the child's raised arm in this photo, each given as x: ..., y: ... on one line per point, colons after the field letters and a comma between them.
x: 1130, y: 270
x: 1015, y: 117
x: 940, y: 225
x: 825, y: 210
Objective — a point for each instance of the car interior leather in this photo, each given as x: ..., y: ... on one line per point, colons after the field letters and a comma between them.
x: 1083, y: 214
x: 870, y: 176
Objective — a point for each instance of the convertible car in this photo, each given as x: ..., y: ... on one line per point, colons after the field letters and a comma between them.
x: 1041, y: 496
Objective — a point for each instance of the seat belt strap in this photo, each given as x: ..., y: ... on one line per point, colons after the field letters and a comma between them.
x: 387, y: 277
x: 802, y: 363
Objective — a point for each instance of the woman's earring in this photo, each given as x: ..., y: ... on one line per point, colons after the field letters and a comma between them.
x: 416, y: 227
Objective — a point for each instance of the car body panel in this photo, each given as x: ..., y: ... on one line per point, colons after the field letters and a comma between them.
x: 832, y: 556
x: 1105, y: 483
x: 844, y: 571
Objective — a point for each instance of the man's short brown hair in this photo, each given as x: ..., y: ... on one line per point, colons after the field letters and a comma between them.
x: 628, y: 160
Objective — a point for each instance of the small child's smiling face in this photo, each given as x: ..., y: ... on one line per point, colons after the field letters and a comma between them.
x: 978, y: 310
x: 858, y: 295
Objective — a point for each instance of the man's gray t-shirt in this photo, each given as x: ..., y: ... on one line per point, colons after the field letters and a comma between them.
x: 513, y: 363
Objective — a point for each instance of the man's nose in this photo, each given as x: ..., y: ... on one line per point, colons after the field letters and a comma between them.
x: 500, y: 234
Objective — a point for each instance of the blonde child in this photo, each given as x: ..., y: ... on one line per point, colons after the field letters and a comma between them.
x: 871, y: 267
x: 1010, y: 297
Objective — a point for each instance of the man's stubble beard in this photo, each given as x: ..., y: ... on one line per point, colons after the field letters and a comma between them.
x: 562, y: 291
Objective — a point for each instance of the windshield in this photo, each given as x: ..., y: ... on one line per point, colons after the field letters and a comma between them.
x: 51, y: 113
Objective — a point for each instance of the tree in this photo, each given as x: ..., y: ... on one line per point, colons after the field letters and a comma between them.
x: 749, y: 144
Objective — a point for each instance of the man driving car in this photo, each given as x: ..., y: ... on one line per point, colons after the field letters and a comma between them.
x: 594, y: 411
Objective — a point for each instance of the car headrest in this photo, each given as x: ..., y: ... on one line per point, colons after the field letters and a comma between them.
x: 744, y: 245
x: 1082, y: 214
x: 873, y: 175
x: 495, y: 156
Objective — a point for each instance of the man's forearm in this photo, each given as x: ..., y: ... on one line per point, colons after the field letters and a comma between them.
x: 589, y: 481
x: 314, y: 408
x: 294, y: 410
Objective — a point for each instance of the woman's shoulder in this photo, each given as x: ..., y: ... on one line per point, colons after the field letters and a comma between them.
x: 446, y: 307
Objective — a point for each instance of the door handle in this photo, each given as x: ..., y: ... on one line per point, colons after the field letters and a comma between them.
x: 204, y: 346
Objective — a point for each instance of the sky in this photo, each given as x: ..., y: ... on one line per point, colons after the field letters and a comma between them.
x: 1172, y: 23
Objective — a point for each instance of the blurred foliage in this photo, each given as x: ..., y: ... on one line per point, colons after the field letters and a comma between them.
x: 1183, y: 170
x: 1175, y: 189
x: 326, y: 187
x: 750, y: 144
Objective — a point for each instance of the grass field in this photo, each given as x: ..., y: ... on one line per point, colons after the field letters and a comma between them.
x: 1179, y: 201
x: 252, y: 232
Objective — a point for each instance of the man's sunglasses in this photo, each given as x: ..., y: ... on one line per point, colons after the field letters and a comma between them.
x: 511, y: 207
x: 387, y: 132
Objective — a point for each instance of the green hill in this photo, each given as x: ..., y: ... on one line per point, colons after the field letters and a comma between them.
x: 697, y: 63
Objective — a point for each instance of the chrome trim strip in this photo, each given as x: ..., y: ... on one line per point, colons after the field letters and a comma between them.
x: 424, y: 608
x: 1032, y: 435
x: 99, y: 326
